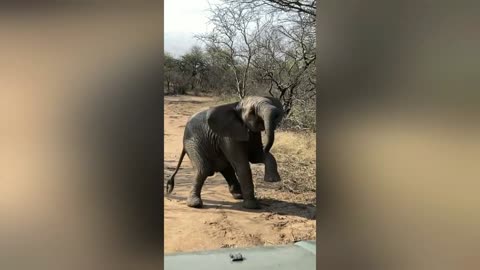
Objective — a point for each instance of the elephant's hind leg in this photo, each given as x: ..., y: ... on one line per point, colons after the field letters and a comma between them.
x: 194, y: 199
x: 233, y: 184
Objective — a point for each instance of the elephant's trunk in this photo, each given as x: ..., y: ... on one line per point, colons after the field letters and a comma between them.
x: 269, y: 116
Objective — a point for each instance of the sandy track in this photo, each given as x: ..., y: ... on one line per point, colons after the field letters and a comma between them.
x: 222, y: 222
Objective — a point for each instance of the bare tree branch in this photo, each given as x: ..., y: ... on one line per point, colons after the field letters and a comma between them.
x: 302, y: 6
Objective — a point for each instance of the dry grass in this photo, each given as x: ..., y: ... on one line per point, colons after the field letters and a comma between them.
x: 295, y: 154
x: 223, y: 99
x: 296, y: 143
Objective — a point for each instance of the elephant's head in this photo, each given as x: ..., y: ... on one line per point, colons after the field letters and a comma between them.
x: 253, y: 114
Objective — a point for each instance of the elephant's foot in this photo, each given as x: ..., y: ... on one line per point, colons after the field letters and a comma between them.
x: 237, y: 196
x: 251, y: 204
x: 272, y: 177
x: 236, y: 192
x: 194, y: 201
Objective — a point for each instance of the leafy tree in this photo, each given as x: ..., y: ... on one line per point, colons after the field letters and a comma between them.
x: 194, y: 66
x: 171, y: 70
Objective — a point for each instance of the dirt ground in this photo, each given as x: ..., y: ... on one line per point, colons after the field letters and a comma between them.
x: 222, y: 222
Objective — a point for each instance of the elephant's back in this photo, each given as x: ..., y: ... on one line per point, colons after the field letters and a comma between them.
x: 197, y: 130
x: 199, y: 140
x: 196, y: 125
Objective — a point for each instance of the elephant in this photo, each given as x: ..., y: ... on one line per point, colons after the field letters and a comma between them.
x: 226, y: 139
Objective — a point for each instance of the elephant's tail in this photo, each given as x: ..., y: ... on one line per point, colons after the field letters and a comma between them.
x: 171, y: 181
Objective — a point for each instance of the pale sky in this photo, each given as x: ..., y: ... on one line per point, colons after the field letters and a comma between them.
x: 183, y: 19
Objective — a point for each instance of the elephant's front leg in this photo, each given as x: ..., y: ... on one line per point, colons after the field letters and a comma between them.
x: 257, y: 155
x: 237, y: 156
x: 244, y: 174
x: 271, y: 169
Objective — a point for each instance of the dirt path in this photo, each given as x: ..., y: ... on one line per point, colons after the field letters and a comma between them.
x: 222, y: 222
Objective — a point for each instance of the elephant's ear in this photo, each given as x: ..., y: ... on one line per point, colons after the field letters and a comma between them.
x: 225, y: 121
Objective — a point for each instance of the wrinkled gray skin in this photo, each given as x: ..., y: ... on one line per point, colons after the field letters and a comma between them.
x: 226, y: 139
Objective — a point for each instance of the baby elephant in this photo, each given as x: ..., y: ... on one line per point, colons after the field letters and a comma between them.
x: 226, y: 139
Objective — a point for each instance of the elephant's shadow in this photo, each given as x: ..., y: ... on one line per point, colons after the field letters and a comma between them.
x: 268, y: 206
